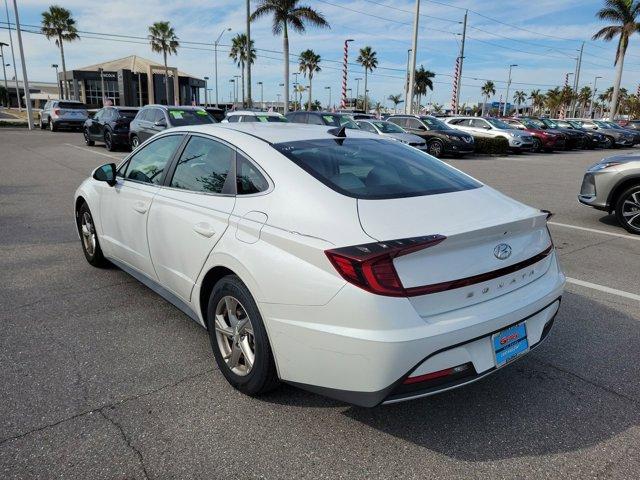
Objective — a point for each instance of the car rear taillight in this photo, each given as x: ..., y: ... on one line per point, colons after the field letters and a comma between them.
x: 370, y: 266
x: 56, y: 111
x: 440, y: 374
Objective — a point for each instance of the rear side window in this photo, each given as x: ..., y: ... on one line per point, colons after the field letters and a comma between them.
x: 203, y: 166
x: 248, y: 177
x: 130, y: 114
x: 315, y: 120
x: 149, y: 163
x: 375, y: 169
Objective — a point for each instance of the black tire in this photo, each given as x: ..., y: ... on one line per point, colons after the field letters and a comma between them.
x: 627, y: 205
x: 435, y: 148
x: 95, y: 257
x: 262, y: 377
x: 609, y: 142
x: 87, y: 139
x: 108, y: 141
x: 537, y: 145
x: 52, y: 126
x: 135, y: 142
x: 42, y: 124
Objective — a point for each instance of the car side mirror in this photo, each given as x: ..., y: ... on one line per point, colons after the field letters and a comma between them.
x: 161, y: 123
x: 423, y: 128
x: 106, y: 173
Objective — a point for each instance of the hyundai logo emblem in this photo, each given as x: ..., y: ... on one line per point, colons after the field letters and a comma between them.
x: 502, y: 251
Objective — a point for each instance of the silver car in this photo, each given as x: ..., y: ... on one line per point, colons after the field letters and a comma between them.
x: 616, y: 137
x: 613, y: 185
x: 388, y: 129
x: 519, y: 141
x: 63, y: 114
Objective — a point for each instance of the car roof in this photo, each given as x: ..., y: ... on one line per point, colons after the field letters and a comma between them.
x: 276, y: 132
x: 253, y: 112
x: 166, y: 107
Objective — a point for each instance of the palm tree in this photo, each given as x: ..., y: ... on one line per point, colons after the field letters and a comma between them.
x: 238, y: 53
x: 378, y: 108
x: 554, y: 99
x: 163, y: 40
x: 309, y: 64
x: 58, y: 23
x: 624, y: 15
x: 395, y: 99
x: 537, y: 100
x: 584, y: 97
x: 369, y: 61
x: 423, y: 82
x: 519, y: 97
x: 488, y: 90
x: 288, y: 13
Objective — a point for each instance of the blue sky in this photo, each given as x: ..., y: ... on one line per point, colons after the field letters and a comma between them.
x: 385, y: 25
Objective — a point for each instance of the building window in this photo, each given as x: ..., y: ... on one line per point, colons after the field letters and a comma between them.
x: 94, y: 91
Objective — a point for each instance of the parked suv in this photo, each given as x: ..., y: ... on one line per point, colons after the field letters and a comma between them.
x: 63, y: 114
x: 156, y: 118
x: 329, y: 119
x: 575, y: 139
x: 543, y: 138
x: 441, y: 138
x: 389, y: 129
x: 613, y: 185
x: 519, y: 141
x: 111, y: 126
x: 615, y: 137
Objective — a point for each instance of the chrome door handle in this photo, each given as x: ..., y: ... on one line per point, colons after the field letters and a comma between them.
x: 140, y: 207
x: 204, y: 229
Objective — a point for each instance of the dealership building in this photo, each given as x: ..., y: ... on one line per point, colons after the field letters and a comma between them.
x: 131, y: 81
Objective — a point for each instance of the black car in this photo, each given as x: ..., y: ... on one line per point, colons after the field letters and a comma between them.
x: 152, y: 119
x: 111, y: 126
x: 330, y: 119
x: 441, y: 138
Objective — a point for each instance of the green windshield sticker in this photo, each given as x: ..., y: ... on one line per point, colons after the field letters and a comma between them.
x: 177, y: 114
x: 328, y: 118
x: 263, y: 118
x: 201, y: 112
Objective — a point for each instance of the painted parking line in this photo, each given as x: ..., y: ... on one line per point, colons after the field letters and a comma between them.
x: 93, y: 151
x: 602, y: 288
x: 594, y: 230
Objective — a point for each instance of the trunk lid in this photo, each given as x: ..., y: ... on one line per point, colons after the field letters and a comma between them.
x: 475, y: 223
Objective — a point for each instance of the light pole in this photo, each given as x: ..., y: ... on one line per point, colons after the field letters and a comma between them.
x: 593, y: 96
x: 206, y: 95
x: 278, y: 95
x: 25, y: 79
x: 237, y: 85
x: 329, y: 104
x: 406, y: 81
x: 350, y: 90
x: 102, y: 85
x: 13, y: 56
x: 55, y: 66
x: 295, y: 91
x: 345, y: 69
x: 234, y: 97
x: 414, y: 51
x: 4, y: 70
x: 261, y: 95
x: 358, y: 90
x: 506, y: 100
x: 215, y: 53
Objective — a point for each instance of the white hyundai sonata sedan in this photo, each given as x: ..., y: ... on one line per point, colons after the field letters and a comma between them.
x: 338, y: 261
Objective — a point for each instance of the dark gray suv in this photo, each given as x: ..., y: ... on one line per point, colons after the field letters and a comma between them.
x: 156, y: 118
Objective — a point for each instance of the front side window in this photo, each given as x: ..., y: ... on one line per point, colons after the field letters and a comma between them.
x: 369, y: 168
x: 388, y: 127
x: 315, y: 120
x: 149, y: 163
x: 203, y: 166
x: 367, y: 127
x: 414, y: 124
x: 248, y: 177
x: 498, y: 123
x: 434, y: 123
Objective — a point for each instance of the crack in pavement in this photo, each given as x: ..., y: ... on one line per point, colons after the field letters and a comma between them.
x: 127, y: 441
x: 110, y: 405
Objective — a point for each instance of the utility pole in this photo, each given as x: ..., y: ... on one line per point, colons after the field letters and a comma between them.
x: 13, y: 57
x: 358, y: 90
x: 576, y: 80
x: 215, y: 56
x: 506, y: 100
x: 237, y: 87
x: 206, y: 95
x: 329, y: 104
x: 4, y: 70
x: 406, y: 81
x: 249, y: 101
x: 459, y: 79
x: 414, y: 51
x: 261, y: 95
x: 55, y: 65
x: 25, y: 79
x: 593, y: 96
x: 345, y: 69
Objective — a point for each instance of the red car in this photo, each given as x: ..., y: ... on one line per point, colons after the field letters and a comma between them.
x: 543, y: 138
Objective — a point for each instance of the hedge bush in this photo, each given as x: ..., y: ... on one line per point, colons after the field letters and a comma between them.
x: 491, y: 145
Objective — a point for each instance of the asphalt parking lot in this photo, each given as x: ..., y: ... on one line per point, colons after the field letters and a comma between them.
x: 101, y: 378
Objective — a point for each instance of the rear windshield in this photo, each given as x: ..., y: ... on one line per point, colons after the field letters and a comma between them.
x: 375, y: 169
x: 72, y: 105
x: 270, y: 118
x: 181, y: 117
x: 128, y: 113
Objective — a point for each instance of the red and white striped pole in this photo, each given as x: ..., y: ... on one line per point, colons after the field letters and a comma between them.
x: 454, y: 90
x: 345, y: 67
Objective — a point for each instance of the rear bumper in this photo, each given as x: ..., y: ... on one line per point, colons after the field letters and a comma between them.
x: 62, y: 123
x: 359, y: 348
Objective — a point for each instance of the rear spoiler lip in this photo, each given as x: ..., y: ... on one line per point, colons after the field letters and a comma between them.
x: 475, y: 279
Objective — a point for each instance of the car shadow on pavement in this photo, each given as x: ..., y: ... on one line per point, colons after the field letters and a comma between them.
x: 577, y: 390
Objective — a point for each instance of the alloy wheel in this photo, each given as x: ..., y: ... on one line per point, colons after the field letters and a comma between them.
x: 135, y: 142
x: 631, y: 210
x: 235, y: 336
x: 108, y: 141
x: 88, y: 233
x: 537, y: 144
x: 435, y: 149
